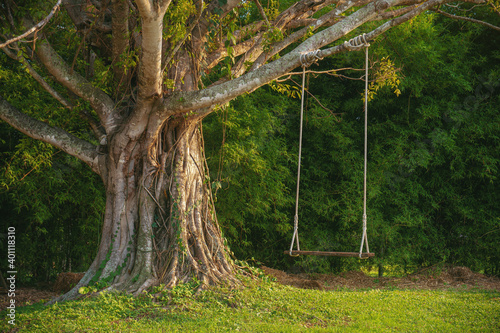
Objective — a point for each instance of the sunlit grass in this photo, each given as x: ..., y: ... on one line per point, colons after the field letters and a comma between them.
x: 269, y: 307
x: 389, y: 271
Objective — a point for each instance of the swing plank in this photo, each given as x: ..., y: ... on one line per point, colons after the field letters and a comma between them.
x: 332, y: 254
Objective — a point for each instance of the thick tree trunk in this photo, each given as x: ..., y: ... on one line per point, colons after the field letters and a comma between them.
x: 160, y: 224
x: 189, y: 243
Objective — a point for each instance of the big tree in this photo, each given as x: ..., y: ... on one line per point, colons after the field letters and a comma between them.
x: 143, y: 76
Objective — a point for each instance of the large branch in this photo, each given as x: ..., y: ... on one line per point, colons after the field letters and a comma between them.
x: 297, y: 12
x: 38, y: 78
x: 150, y: 77
x: 215, y: 57
x: 35, y: 28
x: 57, y: 137
x: 300, y: 10
x: 382, y: 28
x: 218, y: 54
x: 294, y: 37
x: 224, y: 92
x: 152, y: 8
x: 100, y: 102
x: 205, y: 23
x: 96, y: 128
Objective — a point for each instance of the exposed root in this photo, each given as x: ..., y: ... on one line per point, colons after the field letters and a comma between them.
x: 148, y: 283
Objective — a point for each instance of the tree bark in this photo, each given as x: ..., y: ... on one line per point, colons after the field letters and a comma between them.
x: 160, y: 225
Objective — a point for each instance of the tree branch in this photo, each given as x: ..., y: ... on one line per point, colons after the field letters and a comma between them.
x: 220, y: 53
x: 303, y: 9
x: 224, y: 92
x: 256, y: 54
x: 394, y: 13
x: 322, y: 21
x: 57, y: 137
x: 144, y: 6
x: 206, y: 20
x: 463, y: 18
x: 150, y: 9
x: 150, y: 78
x: 262, y: 13
x: 384, y: 27
x: 215, y: 57
x: 38, y: 78
x: 35, y: 28
x: 96, y: 127
x: 181, y: 102
x: 100, y: 102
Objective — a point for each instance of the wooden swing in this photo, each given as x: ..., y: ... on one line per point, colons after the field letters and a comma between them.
x: 355, y: 43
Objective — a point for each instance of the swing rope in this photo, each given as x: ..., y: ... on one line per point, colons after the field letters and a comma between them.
x: 306, y: 60
x: 295, y: 236
x: 364, y: 238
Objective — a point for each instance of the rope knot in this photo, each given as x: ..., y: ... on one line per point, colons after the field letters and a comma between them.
x: 307, y: 59
x: 356, y: 43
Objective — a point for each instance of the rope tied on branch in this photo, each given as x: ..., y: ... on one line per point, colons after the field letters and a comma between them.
x: 356, y: 43
x: 307, y: 59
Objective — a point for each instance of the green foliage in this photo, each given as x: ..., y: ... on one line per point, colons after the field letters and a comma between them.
x: 272, y: 9
x: 434, y: 157
x: 271, y: 36
x: 385, y: 75
x: 285, y: 89
x: 248, y: 159
x: 175, y: 20
x: 53, y: 200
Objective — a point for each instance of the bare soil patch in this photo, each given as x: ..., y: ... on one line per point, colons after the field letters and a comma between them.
x: 27, y: 296
x: 442, y: 278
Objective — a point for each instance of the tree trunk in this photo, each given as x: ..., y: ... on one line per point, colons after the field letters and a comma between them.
x: 160, y: 224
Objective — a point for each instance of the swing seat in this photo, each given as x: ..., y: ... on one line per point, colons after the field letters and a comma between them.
x: 331, y: 254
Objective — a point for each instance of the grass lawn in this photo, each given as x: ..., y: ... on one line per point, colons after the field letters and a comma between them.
x: 268, y: 307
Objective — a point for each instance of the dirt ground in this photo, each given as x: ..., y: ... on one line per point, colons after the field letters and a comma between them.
x: 27, y: 296
x: 443, y: 278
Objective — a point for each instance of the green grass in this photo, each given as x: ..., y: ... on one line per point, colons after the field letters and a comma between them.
x: 390, y: 271
x: 269, y: 307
